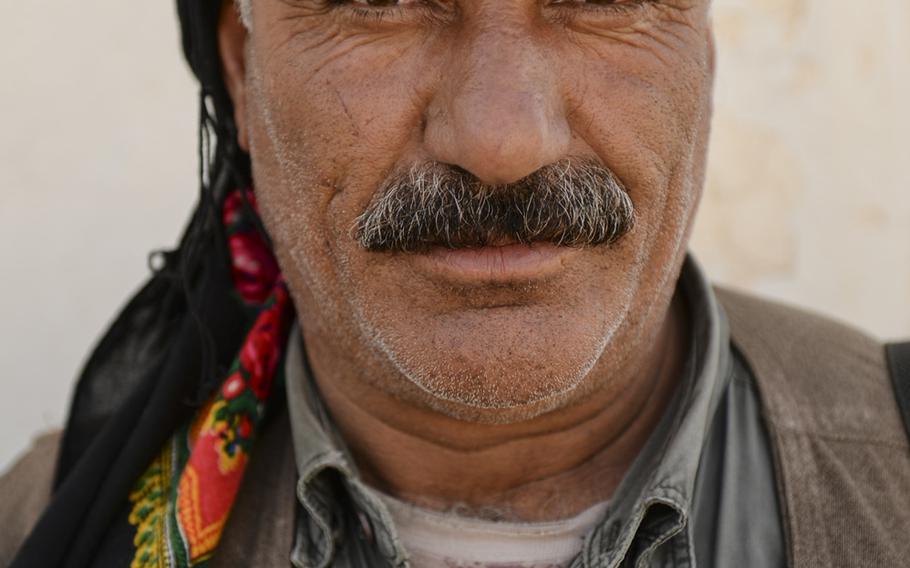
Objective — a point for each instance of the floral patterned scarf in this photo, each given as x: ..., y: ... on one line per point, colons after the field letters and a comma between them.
x: 151, y: 460
x: 181, y: 503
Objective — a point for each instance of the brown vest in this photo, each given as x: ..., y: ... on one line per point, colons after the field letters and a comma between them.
x: 841, y: 455
x: 840, y: 450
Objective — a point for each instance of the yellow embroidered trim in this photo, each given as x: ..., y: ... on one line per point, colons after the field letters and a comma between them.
x: 149, y: 513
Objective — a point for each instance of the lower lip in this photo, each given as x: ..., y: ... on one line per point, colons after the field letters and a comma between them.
x: 500, y: 263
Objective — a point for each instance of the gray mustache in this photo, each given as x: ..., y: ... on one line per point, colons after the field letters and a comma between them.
x: 572, y: 202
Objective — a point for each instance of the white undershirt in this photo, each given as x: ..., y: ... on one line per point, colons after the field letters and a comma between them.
x: 443, y: 540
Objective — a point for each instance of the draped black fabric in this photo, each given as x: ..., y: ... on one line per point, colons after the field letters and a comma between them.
x: 164, y: 353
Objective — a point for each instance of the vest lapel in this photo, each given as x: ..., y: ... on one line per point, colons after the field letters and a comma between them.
x: 842, y: 458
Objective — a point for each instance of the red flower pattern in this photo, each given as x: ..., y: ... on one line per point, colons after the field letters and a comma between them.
x: 253, y: 266
x: 233, y: 386
x: 211, y: 475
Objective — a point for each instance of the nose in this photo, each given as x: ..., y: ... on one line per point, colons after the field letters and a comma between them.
x: 498, y: 113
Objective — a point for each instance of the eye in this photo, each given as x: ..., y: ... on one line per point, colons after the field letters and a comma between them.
x: 380, y: 3
x: 595, y: 2
x: 602, y: 7
x: 394, y: 10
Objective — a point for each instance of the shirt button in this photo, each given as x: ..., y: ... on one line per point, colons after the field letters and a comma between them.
x: 366, y: 527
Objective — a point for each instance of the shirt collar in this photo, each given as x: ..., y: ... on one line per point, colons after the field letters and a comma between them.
x: 653, y: 503
x: 319, y: 450
x: 651, y: 506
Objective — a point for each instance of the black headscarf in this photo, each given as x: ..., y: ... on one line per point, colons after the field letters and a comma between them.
x: 161, y: 357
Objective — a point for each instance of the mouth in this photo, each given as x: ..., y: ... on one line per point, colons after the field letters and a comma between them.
x: 501, y: 263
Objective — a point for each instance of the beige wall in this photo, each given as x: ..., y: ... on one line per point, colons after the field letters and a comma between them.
x: 808, y: 196
x: 806, y: 199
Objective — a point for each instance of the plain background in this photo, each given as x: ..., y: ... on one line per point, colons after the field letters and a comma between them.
x: 807, y: 198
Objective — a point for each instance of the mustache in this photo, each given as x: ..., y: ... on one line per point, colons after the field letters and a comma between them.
x: 573, y: 202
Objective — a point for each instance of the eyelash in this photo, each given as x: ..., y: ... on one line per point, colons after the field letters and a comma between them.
x: 375, y: 14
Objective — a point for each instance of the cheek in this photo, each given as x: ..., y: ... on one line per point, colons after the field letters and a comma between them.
x: 322, y: 141
x: 341, y: 125
x: 645, y: 116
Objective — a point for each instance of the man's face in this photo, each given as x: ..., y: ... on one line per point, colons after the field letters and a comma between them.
x: 336, y: 99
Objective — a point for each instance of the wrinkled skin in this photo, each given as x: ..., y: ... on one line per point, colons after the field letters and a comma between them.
x: 332, y: 97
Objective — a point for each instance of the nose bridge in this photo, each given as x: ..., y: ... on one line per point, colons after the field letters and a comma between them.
x: 498, y: 112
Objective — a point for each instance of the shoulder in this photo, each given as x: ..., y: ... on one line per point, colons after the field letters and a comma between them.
x: 839, y: 445
x: 25, y: 490
x: 781, y: 324
x: 814, y: 374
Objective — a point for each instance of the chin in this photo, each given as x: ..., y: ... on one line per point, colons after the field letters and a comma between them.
x: 496, y: 365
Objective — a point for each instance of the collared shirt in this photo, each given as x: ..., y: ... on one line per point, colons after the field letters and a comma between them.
x: 700, y: 493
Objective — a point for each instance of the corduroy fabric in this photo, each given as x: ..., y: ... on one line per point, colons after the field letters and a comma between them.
x: 24, y: 493
x: 841, y: 454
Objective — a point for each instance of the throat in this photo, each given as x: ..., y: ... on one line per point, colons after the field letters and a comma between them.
x: 550, y: 468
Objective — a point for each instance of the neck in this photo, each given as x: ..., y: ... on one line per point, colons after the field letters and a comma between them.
x: 551, y: 467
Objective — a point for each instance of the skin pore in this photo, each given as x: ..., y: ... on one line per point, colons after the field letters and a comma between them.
x: 576, y: 360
